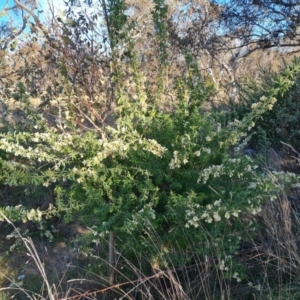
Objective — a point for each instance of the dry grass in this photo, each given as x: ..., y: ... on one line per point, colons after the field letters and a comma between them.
x: 271, y: 261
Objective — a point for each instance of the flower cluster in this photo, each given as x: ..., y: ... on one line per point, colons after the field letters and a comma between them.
x: 231, y: 167
x: 178, y: 160
x: 208, y: 213
x: 236, y: 276
x: 225, y: 263
x: 214, y: 170
x: 141, y: 218
x: 264, y: 102
x: 154, y: 147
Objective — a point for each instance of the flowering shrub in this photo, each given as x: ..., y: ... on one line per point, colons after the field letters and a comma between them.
x: 170, y: 168
x: 280, y: 123
x: 151, y: 165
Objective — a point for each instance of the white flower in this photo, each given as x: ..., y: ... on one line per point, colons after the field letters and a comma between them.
x: 204, y: 215
x: 227, y: 215
x: 252, y: 185
x: 217, y: 216
x: 235, y: 213
x: 209, y: 220
x: 217, y: 202
x: 189, y: 212
x: 248, y: 168
x: 254, y: 105
x: 195, y: 218
x: 263, y: 98
x: 197, y: 153
x: 195, y: 224
x: 222, y: 265
x: 236, y: 276
x: 207, y: 150
x: 256, y: 210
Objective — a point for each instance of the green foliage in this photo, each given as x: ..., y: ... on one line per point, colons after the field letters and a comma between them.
x: 117, y: 20
x: 159, y: 17
x: 169, y: 169
x: 281, y: 124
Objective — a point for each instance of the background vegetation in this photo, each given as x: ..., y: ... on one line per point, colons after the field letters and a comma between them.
x: 149, y: 150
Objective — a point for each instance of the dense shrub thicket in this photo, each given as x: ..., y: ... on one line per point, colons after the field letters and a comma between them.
x: 169, y: 172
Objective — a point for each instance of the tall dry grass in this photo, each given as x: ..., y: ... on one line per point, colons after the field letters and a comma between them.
x: 271, y: 260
